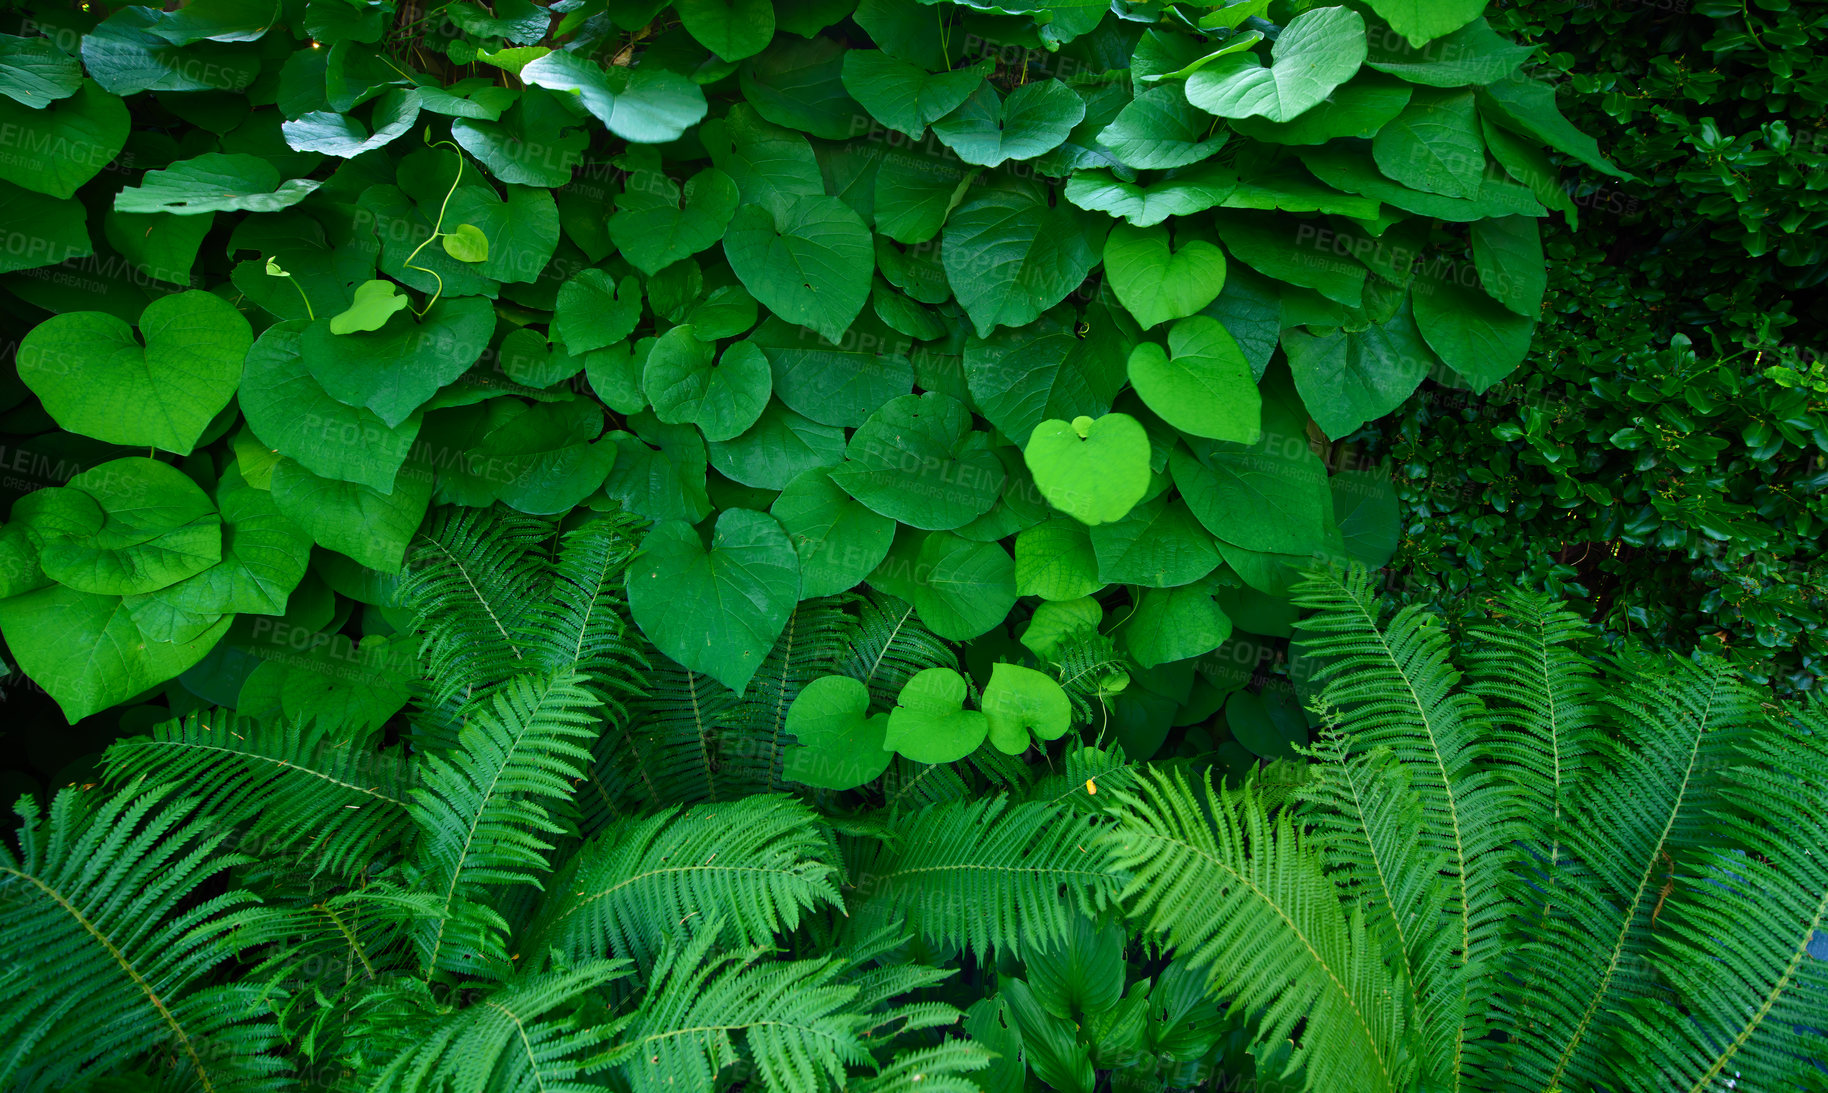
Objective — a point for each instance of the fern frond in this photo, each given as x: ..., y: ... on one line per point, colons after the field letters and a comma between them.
x: 1734, y: 937
x: 890, y: 646
x: 793, y: 1017
x: 470, y: 580
x: 631, y: 886
x: 106, y: 946
x: 307, y: 789
x: 536, y: 1032
x: 1087, y: 779
x: 942, y: 1068
x: 1639, y: 832
x: 483, y: 810
x: 986, y: 874
x: 1241, y: 895
x: 576, y: 624
x: 1087, y: 664
x: 1392, y: 686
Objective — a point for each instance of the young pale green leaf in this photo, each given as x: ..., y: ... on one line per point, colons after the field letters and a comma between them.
x: 1316, y: 52
x: 1095, y: 471
x: 716, y: 611
x: 1202, y: 384
x: 466, y: 243
x: 1156, y: 284
x: 1019, y: 702
x: 838, y: 746
x: 810, y: 264
x: 375, y: 302
x: 95, y: 377
x: 929, y: 723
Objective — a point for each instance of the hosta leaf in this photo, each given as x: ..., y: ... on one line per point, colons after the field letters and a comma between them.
x: 716, y: 611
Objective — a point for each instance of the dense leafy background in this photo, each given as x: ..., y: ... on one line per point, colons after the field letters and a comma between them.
x: 1040, y: 321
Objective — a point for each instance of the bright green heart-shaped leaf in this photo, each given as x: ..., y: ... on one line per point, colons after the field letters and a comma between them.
x: 1056, y: 620
x: 838, y: 745
x: 151, y: 528
x: 732, y: 29
x: 810, y: 265
x: 291, y: 413
x: 95, y: 378
x: 717, y: 611
x: 962, y: 588
x: 1053, y: 368
x: 369, y: 526
x: 35, y: 72
x: 466, y: 243
x: 1422, y: 21
x: 1434, y: 144
x: 593, y: 311
x: 988, y: 129
x: 1478, y: 337
x: 1202, y: 385
x: 1095, y: 471
x: 55, y: 147
x: 1270, y: 496
x: 918, y: 461
x: 1009, y: 256
x: 653, y: 227
x: 1158, y: 545
x: 929, y: 723
x: 903, y: 96
x: 332, y: 134
x: 87, y: 650
x: 839, y: 541
x: 393, y: 371
x: 375, y: 302
x: 1160, y: 129
x: 1020, y: 701
x: 263, y: 558
x: 1054, y: 561
x: 644, y: 105
x: 1173, y: 624
x: 215, y: 183
x: 837, y: 383
x: 1187, y: 191
x: 683, y: 385
x: 1156, y: 284
x: 1316, y: 52
x: 1347, y: 378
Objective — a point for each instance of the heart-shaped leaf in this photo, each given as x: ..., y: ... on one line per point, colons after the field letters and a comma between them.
x: 1202, y: 384
x: 1158, y: 545
x: 1009, y: 256
x: 653, y: 227
x: 839, y: 541
x: 1054, y: 560
x: 394, y: 370
x: 837, y: 383
x: 1173, y: 624
x: 838, y: 745
x: 329, y: 133
x: 150, y: 527
x: 1156, y: 284
x: 1270, y: 496
x: 466, y: 243
x: 685, y: 387
x: 1478, y: 337
x: 369, y: 526
x: 95, y: 378
x: 810, y: 265
x: 57, y: 146
x: 645, y: 105
x: 1019, y: 701
x: 1434, y: 144
x: 215, y: 183
x: 35, y: 72
x: 988, y: 129
x: 732, y: 29
x: 1062, y: 366
x: 1160, y: 129
x: 930, y: 724
x: 1187, y: 191
x: 1095, y: 471
x: 375, y: 302
x: 1422, y: 21
x: 962, y: 588
x: 918, y: 461
x: 1269, y: 724
x: 1347, y: 378
x: 593, y: 311
x: 717, y: 611
x: 1317, y: 51
x: 906, y: 97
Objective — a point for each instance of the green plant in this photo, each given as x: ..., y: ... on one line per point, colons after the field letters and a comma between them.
x: 987, y: 310
x: 1544, y: 874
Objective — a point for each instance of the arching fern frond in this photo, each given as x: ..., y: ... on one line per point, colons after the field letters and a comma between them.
x: 470, y: 580
x: 313, y: 790
x: 484, y: 809
x: 890, y: 646
x: 941, y: 1068
x: 986, y: 874
x: 106, y: 951
x: 1241, y: 895
x: 540, y: 1031
x: 577, y: 623
x: 630, y: 887
x: 793, y: 1017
